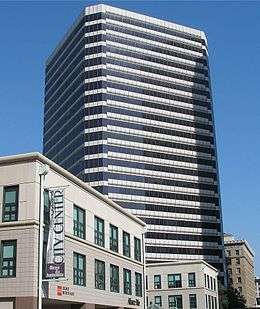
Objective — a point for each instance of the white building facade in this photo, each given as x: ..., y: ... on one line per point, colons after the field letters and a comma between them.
x: 103, y: 242
x: 182, y: 285
x: 128, y: 109
x: 257, y: 288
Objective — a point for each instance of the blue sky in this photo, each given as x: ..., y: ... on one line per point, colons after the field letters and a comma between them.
x: 30, y: 30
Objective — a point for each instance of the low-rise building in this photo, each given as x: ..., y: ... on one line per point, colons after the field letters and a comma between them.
x: 102, y: 256
x: 240, y: 268
x: 182, y: 285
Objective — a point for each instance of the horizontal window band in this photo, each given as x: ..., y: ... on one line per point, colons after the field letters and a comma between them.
x: 158, y: 181
x: 92, y: 163
x: 158, y: 105
x: 160, y: 155
x: 182, y: 223
x: 153, y: 37
x: 183, y: 237
x: 143, y: 79
x: 94, y: 136
x: 179, y: 250
x: 145, y: 24
x: 103, y: 84
x: 159, y: 194
x: 154, y: 70
x: 151, y: 127
x: 170, y: 209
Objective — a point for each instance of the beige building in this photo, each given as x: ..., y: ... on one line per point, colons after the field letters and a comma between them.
x: 240, y: 268
x: 103, y: 243
x: 257, y: 289
x: 182, y: 285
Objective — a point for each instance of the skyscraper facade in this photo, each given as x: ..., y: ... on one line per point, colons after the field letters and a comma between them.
x: 128, y: 109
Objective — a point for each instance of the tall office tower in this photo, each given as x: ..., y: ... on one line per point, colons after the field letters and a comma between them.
x: 128, y: 109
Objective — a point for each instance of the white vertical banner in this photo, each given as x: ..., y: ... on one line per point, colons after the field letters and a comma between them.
x: 55, y: 263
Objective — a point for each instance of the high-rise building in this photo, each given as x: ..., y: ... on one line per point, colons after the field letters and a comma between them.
x: 240, y: 268
x: 128, y: 109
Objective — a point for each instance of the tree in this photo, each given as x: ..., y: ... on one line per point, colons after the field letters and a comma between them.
x: 230, y: 298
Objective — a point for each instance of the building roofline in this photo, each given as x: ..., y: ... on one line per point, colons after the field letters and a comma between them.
x: 173, y: 263
x: 102, y: 7
x: 236, y: 242
x: 36, y: 156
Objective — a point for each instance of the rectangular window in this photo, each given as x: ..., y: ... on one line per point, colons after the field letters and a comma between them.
x: 137, y: 249
x: 113, y: 238
x: 175, y: 301
x: 238, y: 261
x: 174, y: 281
x: 238, y: 271
x: 126, y: 244
x: 99, y: 232
x: 79, y: 222
x: 10, y: 204
x: 215, y: 302
x: 237, y: 252
x: 193, y: 301
x: 8, y: 258
x: 206, y: 297
x: 208, y: 282
x: 127, y: 282
x: 239, y: 280
x: 79, y: 269
x: 99, y: 275
x: 157, y: 282
x: 138, y: 285
x: 114, y: 278
x: 191, y: 280
x: 214, y: 284
x: 158, y: 301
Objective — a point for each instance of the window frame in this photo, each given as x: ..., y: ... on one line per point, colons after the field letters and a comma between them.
x: 76, y: 270
x: 113, y: 242
x: 16, y: 203
x: 192, y: 282
x: 137, y: 249
x: 114, y: 287
x: 100, y: 284
x: 190, y: 301
x: 99, y: 236
x: 138, y: 285
x: 12, y: 242
x: 127, y: 284
x: 126, y: 247
x: 175, y: 297
x: 173, y: 281
x: 157, y: 285
x: 160, y: 302
x: 76, y: 230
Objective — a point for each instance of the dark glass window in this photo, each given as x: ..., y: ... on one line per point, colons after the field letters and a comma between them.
x: 137, y: 249
x: 127, y: 281
x: 99, y: 275
x: 193, y: 301
x: 192, y: 279
x: 79, y: 222
x: 99, y: 232
x: 157, y: 282
x: 46, y: 202
x: 126, y: 244
x: 175, y: 301
x: 113, y: 238
x: 174, y: 281
x: 138, y: 285
x: 79, y: 269
x: 8, y: 258
x: 114, y: 278
x: 10, y: 204
x: 158, y: 301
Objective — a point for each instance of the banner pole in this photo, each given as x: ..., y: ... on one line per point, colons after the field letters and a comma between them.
x: 44, y: 169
